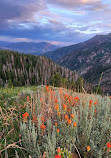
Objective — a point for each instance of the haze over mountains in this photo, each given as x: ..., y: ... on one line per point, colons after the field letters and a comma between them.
x: 29, y: 47
x: 4, y: 43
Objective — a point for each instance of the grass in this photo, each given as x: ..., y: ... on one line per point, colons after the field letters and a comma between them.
x: 47, y: 121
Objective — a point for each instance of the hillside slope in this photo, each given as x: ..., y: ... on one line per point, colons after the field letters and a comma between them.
x: 91, y: 62
x: 24, y: 69
x: 61, y: 52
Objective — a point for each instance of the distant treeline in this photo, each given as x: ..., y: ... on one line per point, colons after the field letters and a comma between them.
x: 23, y: 70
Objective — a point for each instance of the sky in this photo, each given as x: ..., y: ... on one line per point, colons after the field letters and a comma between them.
x: 60, y: 22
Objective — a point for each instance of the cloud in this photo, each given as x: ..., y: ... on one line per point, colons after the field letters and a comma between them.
x: 59, y: 21
x: 11, y: 39
x: 61, y: 34
x: 14, y: 11
x: 74, y: 4
x: 79, y: 12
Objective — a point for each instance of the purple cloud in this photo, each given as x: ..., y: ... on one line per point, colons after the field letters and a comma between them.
x: 58, y: 21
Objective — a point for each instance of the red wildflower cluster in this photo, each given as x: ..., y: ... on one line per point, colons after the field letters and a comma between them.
x: 108, y: 146
x: 66, y: 96
x: 72, y: 116
x: 42, y: 126
x: 90, y: 103
x: 69, y: 121
x: 57, y: 107
x: 56, y: 101
x: 58, y: 150
x: 57, y: 156
x: 76, y: 99
x: 75, y: 124
x: 47, y: 88
x: 58, y: 130
x: 25, y: 115
x: 66, y: 117
x: 64, y: 106
x: 88, y: 148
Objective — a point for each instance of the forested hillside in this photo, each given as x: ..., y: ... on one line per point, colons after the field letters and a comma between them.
x: 20, y: 69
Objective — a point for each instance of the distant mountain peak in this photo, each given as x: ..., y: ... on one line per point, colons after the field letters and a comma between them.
x: 31, y: 47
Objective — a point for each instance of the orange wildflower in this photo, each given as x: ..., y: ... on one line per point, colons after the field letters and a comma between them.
x: 58, y: 130
x: 57, y: 156
x: 95, y: 111
x: 66, y: 96
x: 58, y: 150
x: 72, y: 116
x: 90, y: 102
x: 69, y: 121
x: 95, y: 103
x: 110, y: 97
x: 75, y: 124
x: 42, y: 126
x: 47, y: 88
x: 55, y: 124
x: 25, y: 115
x: 108, y: 145
x: 88, y: 148
x: 56, y: 101
x: 66, y: 117
x: 57, y: 107
x: 76, y: 99
x: 64, y: 106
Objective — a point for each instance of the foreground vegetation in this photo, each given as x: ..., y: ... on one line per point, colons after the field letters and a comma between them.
x: 49, y: 122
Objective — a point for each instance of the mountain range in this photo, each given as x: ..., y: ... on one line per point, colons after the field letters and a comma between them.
x: 28, y: 47
x: 61, y: 52
x: 90, y: 59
